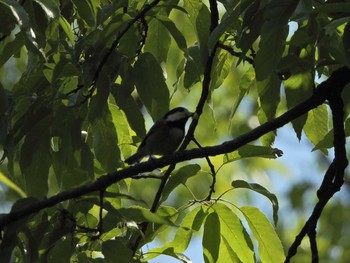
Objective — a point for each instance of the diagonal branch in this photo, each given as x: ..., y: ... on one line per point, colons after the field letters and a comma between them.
x: 338, y: 79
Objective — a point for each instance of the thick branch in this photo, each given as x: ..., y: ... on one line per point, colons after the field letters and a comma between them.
x: 334, y: 177
x: 340, y: 77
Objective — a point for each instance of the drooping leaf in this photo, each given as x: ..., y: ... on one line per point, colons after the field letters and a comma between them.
x: 67, y: 29
x: 246, y: 82
x: 193, y: 67
x: 296, y: 87
x: 158, y: 40
x: 11, y: 48
x: 35, y: 159
x: 192, y: 222
x: 18, y: 12
x: 270, y: 246
x: 222, y: 66
x: 211, y: 238
x: 316, y: 127
x: 151, y: 86
x: 199, y: 16
x: 233, y: 235
x: 179, y: 177
x: 261, y: 190
x: 174, y: 31
x: 50, y: 8
x: 105, y: 141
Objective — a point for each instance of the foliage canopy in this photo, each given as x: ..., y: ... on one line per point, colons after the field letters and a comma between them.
x: 81, y: 80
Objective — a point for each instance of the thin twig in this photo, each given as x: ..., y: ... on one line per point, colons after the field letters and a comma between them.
x: 213, y: 172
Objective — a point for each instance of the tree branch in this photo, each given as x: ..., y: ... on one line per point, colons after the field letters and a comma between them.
x: 189, y: 136
x: 334, y: 177
x: 115, y: 43
x: 338, y: 79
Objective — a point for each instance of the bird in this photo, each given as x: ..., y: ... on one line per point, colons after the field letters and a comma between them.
x: 165, y: 135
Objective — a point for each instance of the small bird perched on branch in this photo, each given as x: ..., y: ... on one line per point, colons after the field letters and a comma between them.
x: 165, y: 135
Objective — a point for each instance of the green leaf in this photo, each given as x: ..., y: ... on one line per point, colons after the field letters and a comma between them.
x: 270, y: 246
x: 192, y: 222
x: 151, y: 86
x: 261, y: 190
x: 227, y: 22
x: 140, y: 214
x: 327, y: 141
x: 316, y: 127
x: 86, y: 10
x: 35, y: 159
x: 6, y: 181
x: 211, y: 238
x: 246, y: 83
x: 61, y: 251
x: 50, y: 8
x: 199, y: 16
x: 158, y: 40
x: 253, y: 20
x: 271, y: 47
x: 18, y: 12
x: 105, y: 142
x: 226, y: 253
x: 193, y: 67
x: 269, y: 96
x: 178, y: 177
x: 11, y: 49
x: 67, y: 29
x: 221, y: 68
x: 174, y: 31
x: 248, y: 151
x: 116, y: 251
x: 296, y: 87
x: 122, y: 128
x: 234, y: 237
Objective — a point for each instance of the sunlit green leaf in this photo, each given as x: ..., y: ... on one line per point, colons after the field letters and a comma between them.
x: 233, y: 235
x: 67, y: 29
x: 316, y: 127
x: 50, y: 8
x: 222, y: 67
x: 5, y: 180
x: 211, y: 238
x: 192, y: 222
x: 270, y: 246
x: 296, y: 87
